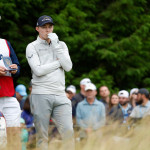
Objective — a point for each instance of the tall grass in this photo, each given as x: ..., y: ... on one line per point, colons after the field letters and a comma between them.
x: 111, y: 137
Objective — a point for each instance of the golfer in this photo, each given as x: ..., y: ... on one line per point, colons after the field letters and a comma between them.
x: 49, y: 59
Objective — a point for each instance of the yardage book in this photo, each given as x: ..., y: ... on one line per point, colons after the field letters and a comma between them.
x: 6, y: 62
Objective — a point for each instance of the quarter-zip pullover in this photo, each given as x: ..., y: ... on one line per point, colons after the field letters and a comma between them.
x: 48, y: 64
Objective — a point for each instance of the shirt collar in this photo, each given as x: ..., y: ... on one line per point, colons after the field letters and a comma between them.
x: 103, y: 101
x: 94, y: 103
x: 128, y: 107
x: 41, y: 40
x: 147, y: 104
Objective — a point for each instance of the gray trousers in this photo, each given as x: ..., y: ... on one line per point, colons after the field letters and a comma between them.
x: 44, y: 106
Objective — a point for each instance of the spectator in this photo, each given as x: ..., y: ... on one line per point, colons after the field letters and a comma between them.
x: 115, y: 112
x: 133, y: 96
x: 80, y: 96
x: 144, y: 104
x: 28, y: 118
x: 104, y: 94
x: 24, y: 134
x: 90, y: 114
x: 21, y: 94
x: 124, y: 104
x: 49, y: 59
x: 26, y: 114
x: 71, y: 91
x: 9, y: 105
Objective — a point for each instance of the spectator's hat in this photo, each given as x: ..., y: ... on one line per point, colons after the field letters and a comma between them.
x: 144, y: 91
x: 71, y: 88
x: 90, y: 86
x: 21, y: 89
x: 85, y: 81
x: 134, y: 91
x: 123, y: 93
x: 43, y: 20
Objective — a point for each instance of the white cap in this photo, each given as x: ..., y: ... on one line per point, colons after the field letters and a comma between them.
x: 90, y: 86
x: 85, y: 81
x: 71, y: 88
x: 123, y: 93
x: 133, y: 90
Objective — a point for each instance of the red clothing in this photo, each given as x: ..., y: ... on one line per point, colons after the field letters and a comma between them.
x: 6, y: 82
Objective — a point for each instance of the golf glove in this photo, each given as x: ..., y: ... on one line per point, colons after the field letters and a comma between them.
x: 54, y: 39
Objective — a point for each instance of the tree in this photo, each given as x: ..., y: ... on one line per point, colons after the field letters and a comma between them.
x: 108, y: 40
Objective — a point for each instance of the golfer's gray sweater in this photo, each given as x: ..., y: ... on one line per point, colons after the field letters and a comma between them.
x: 48, y: 64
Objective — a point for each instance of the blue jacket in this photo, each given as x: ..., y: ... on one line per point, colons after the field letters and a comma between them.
x: 14, y: 59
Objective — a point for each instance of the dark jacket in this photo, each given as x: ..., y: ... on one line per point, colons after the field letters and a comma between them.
x: 75, y: 100
x: 115, y: 114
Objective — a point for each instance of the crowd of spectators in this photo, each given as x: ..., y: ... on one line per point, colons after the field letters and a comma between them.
x: 90, y: 113
x: 123, y: 107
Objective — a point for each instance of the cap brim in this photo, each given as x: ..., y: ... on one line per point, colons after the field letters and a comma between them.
x: 23, y: 94
x: 71, y: 90
x: 89, y: 89
x: 45, y: 23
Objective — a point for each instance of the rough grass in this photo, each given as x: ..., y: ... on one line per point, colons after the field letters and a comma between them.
x: 110, y: 137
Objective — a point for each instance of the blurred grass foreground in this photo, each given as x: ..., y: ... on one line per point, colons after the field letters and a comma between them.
x: 115, y: 137
x: 110, y: 137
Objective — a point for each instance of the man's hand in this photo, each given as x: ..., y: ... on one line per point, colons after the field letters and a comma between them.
x: 54, y: 39
x: 13, y: 66
x: 2, y: 71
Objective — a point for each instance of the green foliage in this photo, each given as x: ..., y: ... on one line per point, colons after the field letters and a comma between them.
x: 108, y: 40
